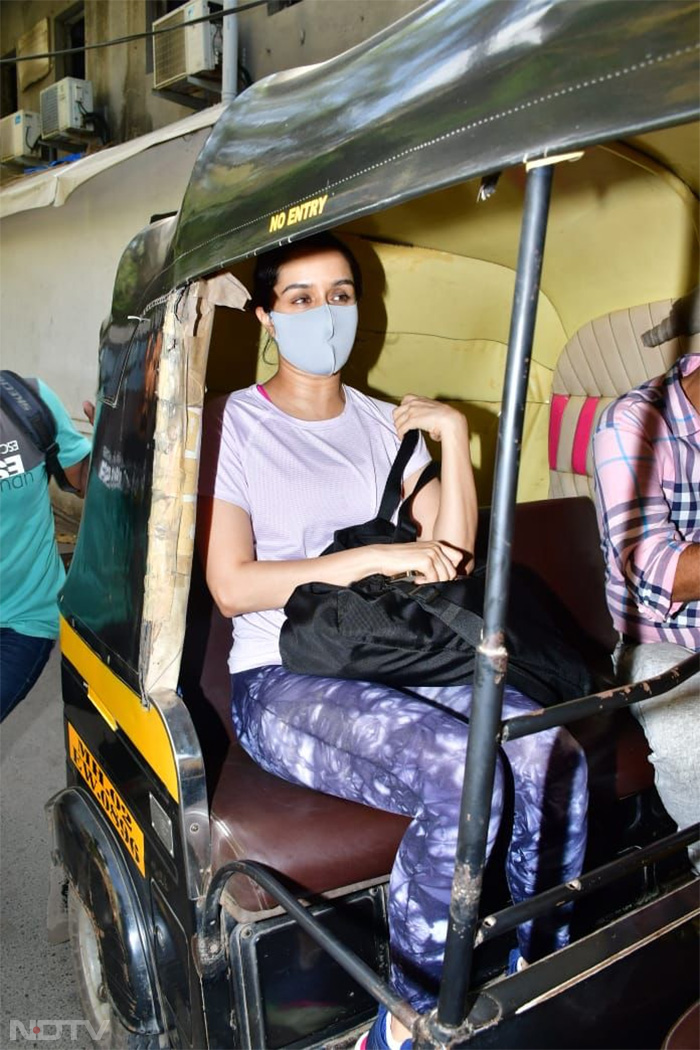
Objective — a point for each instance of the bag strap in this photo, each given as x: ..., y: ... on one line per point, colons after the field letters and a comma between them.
x: 34, y: 417
x: 431, y: 470
x: 465, y: 623
x: 392, y: 490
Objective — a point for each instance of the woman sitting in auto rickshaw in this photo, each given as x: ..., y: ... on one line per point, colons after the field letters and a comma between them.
x: 284, y: 466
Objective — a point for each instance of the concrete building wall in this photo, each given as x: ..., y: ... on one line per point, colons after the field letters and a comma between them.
x: 122, y: 87
x: 270, y: 40
x: 57, y: 266
x: 121, y: 80
x: 311, y: 31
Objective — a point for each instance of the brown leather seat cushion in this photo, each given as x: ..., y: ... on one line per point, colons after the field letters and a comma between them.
x: 321, y: 843
x: 559, y: 539
x: 316, y: 841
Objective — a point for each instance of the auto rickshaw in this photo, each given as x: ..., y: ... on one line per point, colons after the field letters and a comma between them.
x: 209, y: 903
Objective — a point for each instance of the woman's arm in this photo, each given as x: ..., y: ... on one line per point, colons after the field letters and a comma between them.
x: 240, y: 584
x: 445, y: 510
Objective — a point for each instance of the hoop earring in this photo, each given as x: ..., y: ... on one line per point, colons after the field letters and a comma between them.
x: 268, y: 344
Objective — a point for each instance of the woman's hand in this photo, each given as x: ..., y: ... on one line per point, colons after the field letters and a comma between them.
x: 241, y: 584
x: 428, y: 560
x: 437, y: 419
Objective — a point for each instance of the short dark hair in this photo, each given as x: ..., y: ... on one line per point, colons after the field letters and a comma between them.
x: 268, y: 265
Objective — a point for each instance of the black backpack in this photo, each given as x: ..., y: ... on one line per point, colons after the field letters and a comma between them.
x: 34, y: 417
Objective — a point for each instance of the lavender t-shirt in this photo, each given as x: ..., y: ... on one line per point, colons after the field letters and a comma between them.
x: 298, y: 481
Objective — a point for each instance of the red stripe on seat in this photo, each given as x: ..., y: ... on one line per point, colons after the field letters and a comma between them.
x: 556, y: 414
x: 582, y: 436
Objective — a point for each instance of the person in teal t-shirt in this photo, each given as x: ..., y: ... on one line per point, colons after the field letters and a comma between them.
x: 31, y: 570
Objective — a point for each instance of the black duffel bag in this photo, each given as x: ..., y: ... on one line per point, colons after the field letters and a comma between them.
x: 400, y: 633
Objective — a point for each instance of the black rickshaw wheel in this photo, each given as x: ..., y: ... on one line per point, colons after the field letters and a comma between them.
x: 91, y: 985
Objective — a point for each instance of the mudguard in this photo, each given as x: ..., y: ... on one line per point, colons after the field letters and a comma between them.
x: 91, y: 857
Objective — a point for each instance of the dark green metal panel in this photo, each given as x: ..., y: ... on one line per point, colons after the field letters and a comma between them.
x: 139, y: 280
x: 104, y: 589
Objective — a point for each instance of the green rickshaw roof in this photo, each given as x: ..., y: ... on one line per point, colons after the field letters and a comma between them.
x: 457, y: 89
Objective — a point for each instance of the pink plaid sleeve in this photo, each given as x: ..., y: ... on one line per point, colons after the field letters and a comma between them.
x: 641, y: 543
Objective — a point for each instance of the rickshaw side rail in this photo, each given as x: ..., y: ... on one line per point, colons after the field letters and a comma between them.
x: 578, y: 978
x: 509, y: 918
x: 211, y: 957
x: 597, y: 703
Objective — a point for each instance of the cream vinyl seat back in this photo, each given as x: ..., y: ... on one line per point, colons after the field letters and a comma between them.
x: 602, y: 361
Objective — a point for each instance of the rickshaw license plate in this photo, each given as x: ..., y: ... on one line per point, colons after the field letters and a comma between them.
x: 107, y: 796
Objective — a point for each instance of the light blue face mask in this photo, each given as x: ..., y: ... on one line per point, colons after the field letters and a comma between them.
x: 318, y: 341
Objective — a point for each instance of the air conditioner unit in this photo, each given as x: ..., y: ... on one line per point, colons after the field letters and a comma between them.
x: 187, y: 51
x: 19, y: 136
x: 63, y: 109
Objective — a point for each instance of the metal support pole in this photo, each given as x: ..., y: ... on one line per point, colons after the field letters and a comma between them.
x: 229, y: 63
x: 491, y: 662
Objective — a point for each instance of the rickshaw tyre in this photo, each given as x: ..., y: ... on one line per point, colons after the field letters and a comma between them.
x: 91, y: 985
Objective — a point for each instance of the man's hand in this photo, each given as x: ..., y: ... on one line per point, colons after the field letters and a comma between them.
x: 78, y: 473
x: 686, y: 584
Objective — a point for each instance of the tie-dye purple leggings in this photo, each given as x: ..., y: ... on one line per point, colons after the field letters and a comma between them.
x: 403, y: 751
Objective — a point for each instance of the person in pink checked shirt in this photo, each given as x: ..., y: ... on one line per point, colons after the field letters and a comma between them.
x: 646, y: 454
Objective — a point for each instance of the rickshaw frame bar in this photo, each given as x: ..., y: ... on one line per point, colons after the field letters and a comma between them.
x: 501, y: 922
x: 212, y: 958
x: 597, y: 703
x: 492, y: 657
